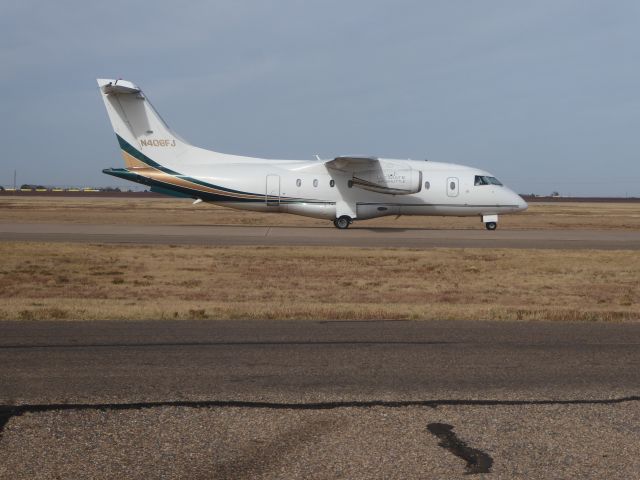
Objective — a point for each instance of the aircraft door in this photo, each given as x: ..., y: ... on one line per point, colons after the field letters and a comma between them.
x: 452, y: 186
x: 272, y: 194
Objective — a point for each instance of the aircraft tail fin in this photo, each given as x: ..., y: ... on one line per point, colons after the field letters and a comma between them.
x: 138, y: 125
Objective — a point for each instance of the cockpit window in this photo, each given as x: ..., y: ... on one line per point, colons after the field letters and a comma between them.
x: 485, y: 180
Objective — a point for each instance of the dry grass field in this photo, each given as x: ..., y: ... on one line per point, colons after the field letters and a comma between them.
x: 160, y: 211
x: 79, y: 281
x: 74, y: 281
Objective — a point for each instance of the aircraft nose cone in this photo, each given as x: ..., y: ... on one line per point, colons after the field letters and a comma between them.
x: 522, y: 205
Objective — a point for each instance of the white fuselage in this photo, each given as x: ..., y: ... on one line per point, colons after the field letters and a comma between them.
x: 343, y: 189
x: 310, y: 184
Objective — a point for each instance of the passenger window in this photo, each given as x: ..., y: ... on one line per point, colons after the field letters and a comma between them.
x: 298, y: 182
x: 315, y: 182
x: 332, y: 183
x: 452, y: 185
x: 350, y: 183
x: 427, y: 185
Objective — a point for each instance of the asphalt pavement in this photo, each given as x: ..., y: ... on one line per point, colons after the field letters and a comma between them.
x: 286, y: 399
x: 358, y: 236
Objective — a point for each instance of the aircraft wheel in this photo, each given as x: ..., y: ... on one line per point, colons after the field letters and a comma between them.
x: 491, y: 225
x: 342, y: 222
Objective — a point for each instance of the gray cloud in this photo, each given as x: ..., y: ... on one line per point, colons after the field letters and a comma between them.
x: 543, y: 94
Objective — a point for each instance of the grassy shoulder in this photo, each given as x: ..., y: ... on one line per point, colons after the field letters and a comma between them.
x: 160, y: 211
x: 75, y: 281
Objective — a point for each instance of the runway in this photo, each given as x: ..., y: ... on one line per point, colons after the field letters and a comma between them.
x: 358, y: 236
x: 275, y: 399
x: 324, y: 361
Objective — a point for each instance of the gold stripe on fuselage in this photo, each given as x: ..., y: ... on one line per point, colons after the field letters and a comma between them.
x: 141, y: 168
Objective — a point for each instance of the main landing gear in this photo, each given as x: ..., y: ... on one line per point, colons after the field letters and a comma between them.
x: 342, y: 222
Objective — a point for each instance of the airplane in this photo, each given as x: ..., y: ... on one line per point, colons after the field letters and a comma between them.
x: 342, y: 189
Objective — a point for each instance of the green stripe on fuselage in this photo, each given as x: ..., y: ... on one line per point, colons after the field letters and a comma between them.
x: 137, y: 154
x: 178, y: 190
x: 185, y: 191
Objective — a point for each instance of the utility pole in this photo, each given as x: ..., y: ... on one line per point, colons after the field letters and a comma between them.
x: 15, y: 172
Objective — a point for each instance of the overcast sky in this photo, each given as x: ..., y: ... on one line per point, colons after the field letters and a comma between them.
x: 544, y: 94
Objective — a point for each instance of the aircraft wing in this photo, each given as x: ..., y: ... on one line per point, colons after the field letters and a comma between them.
x: 382, y: 176
x: 353, y: 163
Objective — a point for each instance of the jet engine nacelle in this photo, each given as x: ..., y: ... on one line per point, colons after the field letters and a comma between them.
x: 393, y: 181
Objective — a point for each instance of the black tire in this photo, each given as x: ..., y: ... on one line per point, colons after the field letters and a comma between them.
x: 342, y: 222
x: 491, y: 225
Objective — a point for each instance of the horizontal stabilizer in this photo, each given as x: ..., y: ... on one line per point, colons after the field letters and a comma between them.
x: 171, y: 193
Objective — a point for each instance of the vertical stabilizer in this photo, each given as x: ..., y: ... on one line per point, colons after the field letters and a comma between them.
x: 137, y: 124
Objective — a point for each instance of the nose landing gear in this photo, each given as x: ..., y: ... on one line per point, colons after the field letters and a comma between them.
x: 490, y: 221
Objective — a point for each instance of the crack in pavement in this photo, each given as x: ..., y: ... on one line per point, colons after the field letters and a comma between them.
x: 477, y: 460
x: 9, y: 411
